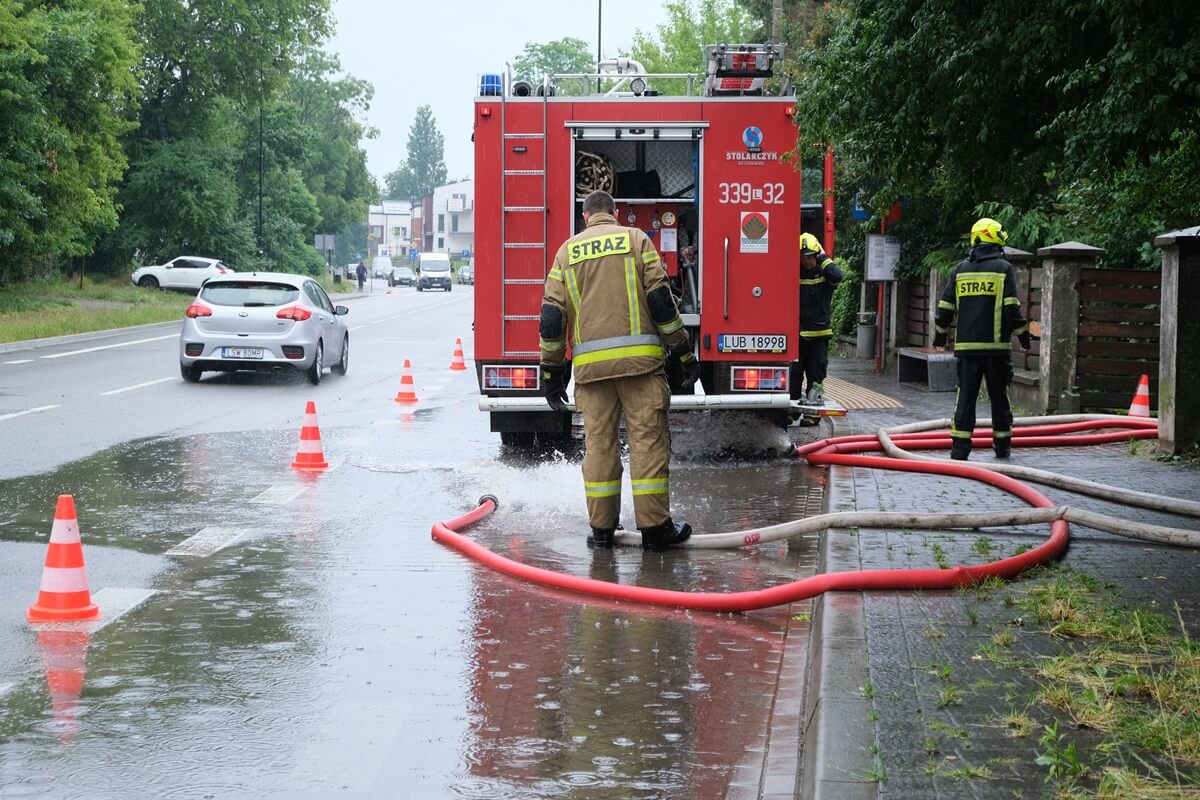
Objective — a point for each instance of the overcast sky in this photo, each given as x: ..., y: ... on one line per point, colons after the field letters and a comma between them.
x: 429, y: 52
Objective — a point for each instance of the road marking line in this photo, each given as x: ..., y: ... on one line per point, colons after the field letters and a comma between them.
x: 111, y: 346
x: 377, y: 322
x: 37, y: 410
x: 358, y: 327
x: 114, y: 603
x: 278, y: 495
x: 20, y: 361
x: 138, y: 386
x: 207, y: 542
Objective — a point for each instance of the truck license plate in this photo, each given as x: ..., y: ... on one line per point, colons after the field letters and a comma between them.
x: 242, y: 352
x: 751, y: 343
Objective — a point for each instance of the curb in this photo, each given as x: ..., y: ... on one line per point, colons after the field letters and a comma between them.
x: 34, y: 344
x: 838, y: 734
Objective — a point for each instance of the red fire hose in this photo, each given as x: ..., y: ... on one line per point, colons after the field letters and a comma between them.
x: 842, y: 451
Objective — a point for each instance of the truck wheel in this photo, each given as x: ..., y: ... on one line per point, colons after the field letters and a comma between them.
x: 523, y: 439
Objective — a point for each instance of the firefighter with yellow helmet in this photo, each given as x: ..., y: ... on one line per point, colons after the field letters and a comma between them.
x: 607, y: 294
x: 819, y: 276
x: 983, y: 293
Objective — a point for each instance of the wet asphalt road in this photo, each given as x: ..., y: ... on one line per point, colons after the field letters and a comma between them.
x: 315, y: 642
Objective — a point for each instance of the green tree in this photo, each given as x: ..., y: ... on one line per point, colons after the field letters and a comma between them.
x: 1064, y: 120
x: 66, y: 88
x: 424, y: 167
x: 680, y: 41
x: 563, y: 56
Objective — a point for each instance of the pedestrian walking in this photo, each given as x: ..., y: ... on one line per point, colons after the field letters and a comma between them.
x: 608, y: 293
x: 819, y: 276
x: 361, y: 272
x: 983, y: 294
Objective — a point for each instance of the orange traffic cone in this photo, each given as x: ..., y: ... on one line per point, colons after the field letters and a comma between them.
x: 64, y: 654
x: 457, y: 363
x: 406, y: 393
x: 1140, y: 407
x: 308, y: 454
x: 64, y: 596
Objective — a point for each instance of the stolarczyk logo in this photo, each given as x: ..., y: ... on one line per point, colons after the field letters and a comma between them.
x: 752, y: 137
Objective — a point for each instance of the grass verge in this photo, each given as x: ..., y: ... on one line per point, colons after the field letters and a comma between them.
x: 41, y: 309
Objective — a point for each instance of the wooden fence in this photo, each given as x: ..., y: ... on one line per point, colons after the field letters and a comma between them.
x: 1118, y: 336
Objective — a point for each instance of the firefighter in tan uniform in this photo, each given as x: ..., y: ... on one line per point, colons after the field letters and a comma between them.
x: 607, y: 294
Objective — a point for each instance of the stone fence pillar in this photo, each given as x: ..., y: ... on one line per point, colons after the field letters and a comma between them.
x: 1179, y: 342
x: 1062, y: 265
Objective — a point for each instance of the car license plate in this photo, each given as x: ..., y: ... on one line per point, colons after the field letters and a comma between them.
x: 751, y: 343
x: 241, y: 352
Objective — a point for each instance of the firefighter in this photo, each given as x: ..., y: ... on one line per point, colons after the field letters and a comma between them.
x: 984, y: 295
x: 819, y: 276
x: 607, y: 293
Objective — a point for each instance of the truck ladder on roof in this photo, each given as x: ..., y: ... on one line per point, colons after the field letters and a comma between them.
x: 529, y: 170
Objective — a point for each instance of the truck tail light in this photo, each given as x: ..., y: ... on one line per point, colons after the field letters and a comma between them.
x: 496, y: 377
x: 294, y: 313
x: 197, y: 310
x: 758, y: 379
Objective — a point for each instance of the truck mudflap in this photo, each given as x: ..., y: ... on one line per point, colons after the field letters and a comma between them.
x: 698, y: 402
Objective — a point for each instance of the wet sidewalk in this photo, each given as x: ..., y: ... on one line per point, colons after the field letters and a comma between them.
x: 948, y: 694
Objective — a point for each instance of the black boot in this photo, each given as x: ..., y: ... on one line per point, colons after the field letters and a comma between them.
x: 1002, y: 447
x: 664, y: 536
x: 602, y: 538
x: 960, y: 449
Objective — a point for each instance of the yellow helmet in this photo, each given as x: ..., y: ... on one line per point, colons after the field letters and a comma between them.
x: 809, y: 243
x: 988, y: 230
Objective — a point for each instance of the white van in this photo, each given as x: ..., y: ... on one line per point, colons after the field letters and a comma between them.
x: 381, y: 266
x: 433, y: 272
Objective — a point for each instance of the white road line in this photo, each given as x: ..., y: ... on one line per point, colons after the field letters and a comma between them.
x: 137, y: 386
x: 358, y: 327
x: 37, y: 410
x: 111, y: 346
x: 208, y: 541
x: 378, y: 322
x: 20, y: 361
x: 278, y: 495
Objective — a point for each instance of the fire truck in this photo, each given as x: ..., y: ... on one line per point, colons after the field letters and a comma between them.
x: 703, y: 172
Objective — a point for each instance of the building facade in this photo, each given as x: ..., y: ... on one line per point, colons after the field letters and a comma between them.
x: 450, y: 227
x: 390, y: 228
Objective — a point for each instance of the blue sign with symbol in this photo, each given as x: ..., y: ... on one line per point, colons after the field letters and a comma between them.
x: 752, y: 137
x: 466, y: 253
x: 412, y: 254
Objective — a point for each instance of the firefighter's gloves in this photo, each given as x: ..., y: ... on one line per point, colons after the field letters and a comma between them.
x: 682, y: 369
x: 554, y: 385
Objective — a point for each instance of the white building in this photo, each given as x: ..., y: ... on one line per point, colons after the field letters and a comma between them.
x: 389, y: 228
x: 452, y: 224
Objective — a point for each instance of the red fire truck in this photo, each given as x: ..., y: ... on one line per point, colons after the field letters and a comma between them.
x: 702, y: 173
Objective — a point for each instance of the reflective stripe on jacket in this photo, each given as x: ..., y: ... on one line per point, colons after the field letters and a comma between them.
x: 983, y: 293
x: 816, y: 297
x: 599, y: 281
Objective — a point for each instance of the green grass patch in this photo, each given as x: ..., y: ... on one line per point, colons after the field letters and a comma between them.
x: 40, y: 309
x: 1128, y: 673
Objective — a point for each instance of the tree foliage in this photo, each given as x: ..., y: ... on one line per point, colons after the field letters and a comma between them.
x: 424, y: 167
x: 562, y: 56
x: 678, y: 44
x: 1064, y: 119
x: 66, y: 88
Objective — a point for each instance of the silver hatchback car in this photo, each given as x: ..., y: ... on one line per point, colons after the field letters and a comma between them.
x: 263, y: 320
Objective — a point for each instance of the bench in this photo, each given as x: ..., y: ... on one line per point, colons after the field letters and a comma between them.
x: 928, y: 365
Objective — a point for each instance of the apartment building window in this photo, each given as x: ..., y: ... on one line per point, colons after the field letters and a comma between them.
x: 454, y: 223
x: 441, y: 223
x: 441, y: 243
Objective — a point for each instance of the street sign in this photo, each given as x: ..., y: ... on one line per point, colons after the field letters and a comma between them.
x: 883, y: 253
x: 466, y: 253
x: 412, y: 254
